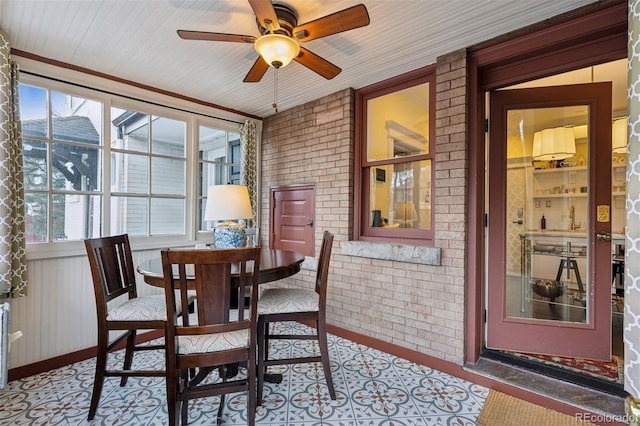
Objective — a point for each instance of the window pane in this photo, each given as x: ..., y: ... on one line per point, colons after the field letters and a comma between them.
x: 212, y: 174
x: 168, y: 137
x: 129, y: 130
x: 212, y: 144
x: 398, y: 124
x: 167, y: 176
x: 130, y: 173
x: 76, y: 119
x: 33, y: 111
x: 167, y: 216
x: 76, y: 168
x: 76, y: 216
x: 36, y: 213
x: 234, y: 151
x: 129, y: 215
x: 401, y: 195
x: 35, y: 164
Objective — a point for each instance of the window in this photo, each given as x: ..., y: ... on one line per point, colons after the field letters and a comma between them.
x: 63, y: 151
x: 218, y: 162
x: 156, y: 166
x: 148, y: 182
x: 394, y: 165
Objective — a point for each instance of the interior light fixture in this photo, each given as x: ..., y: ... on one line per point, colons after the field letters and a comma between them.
x: 557, y: 143
x: 276, y: 49
x: 619, y: 136
x: 227, y: 203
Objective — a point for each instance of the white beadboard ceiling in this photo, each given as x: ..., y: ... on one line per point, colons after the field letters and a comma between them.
x: 136, y: 40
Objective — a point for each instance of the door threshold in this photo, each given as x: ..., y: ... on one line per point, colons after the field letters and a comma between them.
x: 557, y: 372
x: 579, y: 395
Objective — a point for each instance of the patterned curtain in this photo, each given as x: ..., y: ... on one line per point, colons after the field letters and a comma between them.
x: 632, y: 249
x: 13, y: 265
x: 249, y: 165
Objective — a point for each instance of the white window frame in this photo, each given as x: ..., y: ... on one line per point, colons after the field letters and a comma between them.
x: 152, y: 103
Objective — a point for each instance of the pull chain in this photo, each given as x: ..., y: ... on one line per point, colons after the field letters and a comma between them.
x: 275, y: 90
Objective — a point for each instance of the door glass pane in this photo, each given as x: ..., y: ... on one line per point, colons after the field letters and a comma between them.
x: 547, y: 214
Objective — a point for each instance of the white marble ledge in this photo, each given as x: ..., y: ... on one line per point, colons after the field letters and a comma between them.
x: 425, y: 255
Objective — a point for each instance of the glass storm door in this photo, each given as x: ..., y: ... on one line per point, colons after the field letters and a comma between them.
x: 549, y: 229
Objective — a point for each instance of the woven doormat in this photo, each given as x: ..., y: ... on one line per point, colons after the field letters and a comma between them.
x: 504, y: 410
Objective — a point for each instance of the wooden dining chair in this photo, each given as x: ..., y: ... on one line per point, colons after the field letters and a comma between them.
x: 296, y: 304
x: 114, y: 280
x: 216, y: 336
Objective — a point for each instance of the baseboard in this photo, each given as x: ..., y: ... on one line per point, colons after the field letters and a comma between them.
x: 70, y: 358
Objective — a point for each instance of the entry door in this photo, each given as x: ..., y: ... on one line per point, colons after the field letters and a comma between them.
x: 549, y: 280
x: 292, y: 218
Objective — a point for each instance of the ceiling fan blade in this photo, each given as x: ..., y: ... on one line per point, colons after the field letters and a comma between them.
x: 317, y: 64
x: 265, y: 13
x: 344, y: 20
x: 203, y: 35
x: 256, y: 72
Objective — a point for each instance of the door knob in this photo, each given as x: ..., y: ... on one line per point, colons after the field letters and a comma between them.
x: 309, y: 221
x: 519, y: 221
x: 603, y: 236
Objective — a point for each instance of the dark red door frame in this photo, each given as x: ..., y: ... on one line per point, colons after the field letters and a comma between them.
x: 592, y: 35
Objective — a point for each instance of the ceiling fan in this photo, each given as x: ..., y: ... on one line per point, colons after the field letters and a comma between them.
x: 281, y: 35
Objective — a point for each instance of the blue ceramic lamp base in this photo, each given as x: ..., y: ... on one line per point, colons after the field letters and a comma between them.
x: 229, y: 235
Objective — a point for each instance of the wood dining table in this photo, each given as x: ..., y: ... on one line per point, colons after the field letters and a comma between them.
x: 274, y: 265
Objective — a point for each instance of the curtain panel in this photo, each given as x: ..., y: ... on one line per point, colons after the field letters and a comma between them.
x: 13, y: 265
x: 249, y: 165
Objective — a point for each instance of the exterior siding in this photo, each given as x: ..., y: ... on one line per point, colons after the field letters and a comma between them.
x: 419, y: 307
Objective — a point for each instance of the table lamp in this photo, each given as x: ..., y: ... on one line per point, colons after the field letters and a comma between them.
x: 227, y: 203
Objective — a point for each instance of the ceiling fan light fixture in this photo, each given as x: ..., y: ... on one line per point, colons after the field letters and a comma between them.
x: 276, y: 49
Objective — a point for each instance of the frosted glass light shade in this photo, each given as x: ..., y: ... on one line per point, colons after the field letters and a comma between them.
x: 557, y: 143
x: 619, y: 136
x: 276, y: 49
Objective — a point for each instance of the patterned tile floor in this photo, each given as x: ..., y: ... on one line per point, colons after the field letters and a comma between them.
x: 373, y: 388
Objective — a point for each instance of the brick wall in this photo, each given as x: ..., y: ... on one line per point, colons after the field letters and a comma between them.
x: 420, y: 307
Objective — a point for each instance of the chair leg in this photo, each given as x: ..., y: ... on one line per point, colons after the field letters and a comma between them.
x: 128, y: 355
x: 251, y: 397
x: 172, y: 409
x: 261, y: 357
x: 324, y: 354
x: 223, y: 371
x: 98, y: 381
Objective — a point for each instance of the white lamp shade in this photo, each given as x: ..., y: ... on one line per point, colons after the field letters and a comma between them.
x: 619, y: 136
x: 228, y: 202
x: 276, y: 49
x: 557, y: 143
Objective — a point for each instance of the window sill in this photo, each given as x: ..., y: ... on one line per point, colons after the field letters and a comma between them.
x: 424, y: 255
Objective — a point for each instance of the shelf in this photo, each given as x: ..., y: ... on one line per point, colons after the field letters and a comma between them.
x: 563, y: 195
x: 560, y: 170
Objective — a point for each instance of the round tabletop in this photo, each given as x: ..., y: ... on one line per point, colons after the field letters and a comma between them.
x: 274, y: 265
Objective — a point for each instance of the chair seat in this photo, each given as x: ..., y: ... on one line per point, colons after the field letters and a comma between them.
x: 147, y: 308
x: 213, y: 342
x: 287, y: 300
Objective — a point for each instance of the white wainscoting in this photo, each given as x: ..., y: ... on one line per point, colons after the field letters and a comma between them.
x: 58, y: 316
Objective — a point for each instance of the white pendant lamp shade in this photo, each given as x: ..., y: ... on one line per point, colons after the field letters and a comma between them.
x: 557, y: 143
x: 276, y: 49
x: 619, y: 136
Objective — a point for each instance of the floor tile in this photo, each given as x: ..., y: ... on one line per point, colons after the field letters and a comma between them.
x: 372, y: 388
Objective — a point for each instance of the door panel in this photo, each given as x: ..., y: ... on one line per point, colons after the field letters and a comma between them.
x: 293, y: 218
x: 549, y: 279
